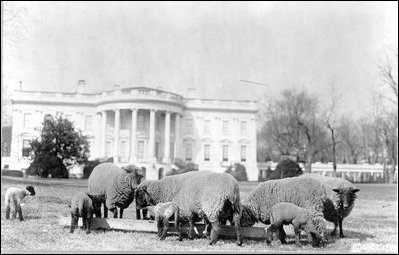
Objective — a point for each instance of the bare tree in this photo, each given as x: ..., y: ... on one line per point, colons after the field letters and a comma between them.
x: 293, y: 126
x: 332, y: 123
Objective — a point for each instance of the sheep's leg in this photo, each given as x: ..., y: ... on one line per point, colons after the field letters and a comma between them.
x: 88, y: 222
x: 74, y: 222
x: 191, y: 229
x: 281, y: 234
x: 14, y: 211
x: 159, y: 226
x: 145, y: 213
x: 214, y: 232
x: 115, y: 213
x: 19, y: 210
x: 180, y: 231
x: 84, y: 219
x: 297, y: 236
x: 105, y: 211
x: 269, y: 233
x: 8, y: 209
x: 237, y: 225
x: 120, y: 213
x: 207, y: 229
x: 341, y: 232
x: 165, y: 228
x: 138, y: 214
x: 333, y: 233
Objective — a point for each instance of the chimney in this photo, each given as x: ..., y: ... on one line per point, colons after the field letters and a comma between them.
x: 81, y: 86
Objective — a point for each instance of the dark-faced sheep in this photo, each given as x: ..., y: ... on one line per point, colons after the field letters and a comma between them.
x: 82, y: 206
x: 206, y: 195
x: 13, y: 198
x: 300, y: 218
x: 341, y: 196
x: 304, y: 192
x: 116, y: 186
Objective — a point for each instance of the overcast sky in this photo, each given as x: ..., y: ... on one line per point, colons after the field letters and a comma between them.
x: 207, y: 45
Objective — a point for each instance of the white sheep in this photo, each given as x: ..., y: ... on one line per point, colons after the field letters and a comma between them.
x: 13, y: 199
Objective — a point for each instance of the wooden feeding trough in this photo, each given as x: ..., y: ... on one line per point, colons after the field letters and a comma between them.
x: 151, y: 226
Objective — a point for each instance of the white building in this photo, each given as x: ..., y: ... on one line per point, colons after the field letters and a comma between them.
x: 147, y: 127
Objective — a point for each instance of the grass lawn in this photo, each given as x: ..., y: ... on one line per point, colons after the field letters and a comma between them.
x: 371, y: 227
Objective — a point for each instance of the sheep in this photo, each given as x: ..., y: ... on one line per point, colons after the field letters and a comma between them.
x: 206, y: 195
x: 304, y: 192
x: 341, y: 196
x: 300, y: 218
x: 163, y: 212
x: 13, y: 199
x: 82, y: 206
x: 114, y: 187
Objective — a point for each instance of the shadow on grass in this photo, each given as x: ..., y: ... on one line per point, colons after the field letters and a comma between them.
x: 350, y: 234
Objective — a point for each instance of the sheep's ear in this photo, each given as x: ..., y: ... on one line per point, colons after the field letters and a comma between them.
x: 336, y: 190
x: 128, y: 169
x: 355, y: 190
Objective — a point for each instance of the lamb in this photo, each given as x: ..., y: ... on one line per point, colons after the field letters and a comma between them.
x: 163, y: 212
x: 206, y: 195
x: 341, y: 196
x: 13, y: 199
x: 304, y: 192
x: 301, y: 219
x: 82, y: 206
x: 114, y: 187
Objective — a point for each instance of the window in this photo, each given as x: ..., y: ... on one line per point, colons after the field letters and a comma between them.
x: 189, y: 151
x: 108, y: 146
x: 27, y: 119
x: 207, y: 152
x: 172, y: 126
x: 122, y: 149
x: 26, y: 148
x: 47, y: 116
x: 89, y: 122
x: 140, y: 149
x: 207, y: 127
x: 157, y: 123
x: 140, y: 123
x: 243, y: 128
x: 243, y: 153
x: 225, y: 153
x: 225, y: 127
x: 172, y: 150
x: 124, y: 121
x: 189, y: 126
x: 68, y: 117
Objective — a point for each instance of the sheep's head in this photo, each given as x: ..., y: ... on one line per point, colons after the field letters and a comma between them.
x: 346, y: 196
x: 316, y: 225
x: 96, y: 201
x: 31, y: 190
x: 248, y: 217
x: 143, y: 199
x: 134, y: 174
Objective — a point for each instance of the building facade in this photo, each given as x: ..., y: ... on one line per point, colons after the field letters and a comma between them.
x: 145, y: 126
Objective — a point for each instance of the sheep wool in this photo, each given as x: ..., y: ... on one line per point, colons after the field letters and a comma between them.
x: 341, y: 196
x: 81, y: 206
x: 200, y: 195
x: 304, y: 192
x: 114, y: 186
x: 13, y: 198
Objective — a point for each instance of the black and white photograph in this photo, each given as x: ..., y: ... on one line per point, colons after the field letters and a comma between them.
x: 199, y: 127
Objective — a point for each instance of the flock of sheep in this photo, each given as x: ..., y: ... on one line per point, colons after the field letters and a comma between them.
x: 305, y: 201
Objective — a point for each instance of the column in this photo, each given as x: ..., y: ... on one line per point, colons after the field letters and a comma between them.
x: 98, y: 135
x: 116, y: 135
x: 166, y: 158
x: 133, y: 143
x: 151, y: 141
x: 103, y: 132
x: 177, y: 135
